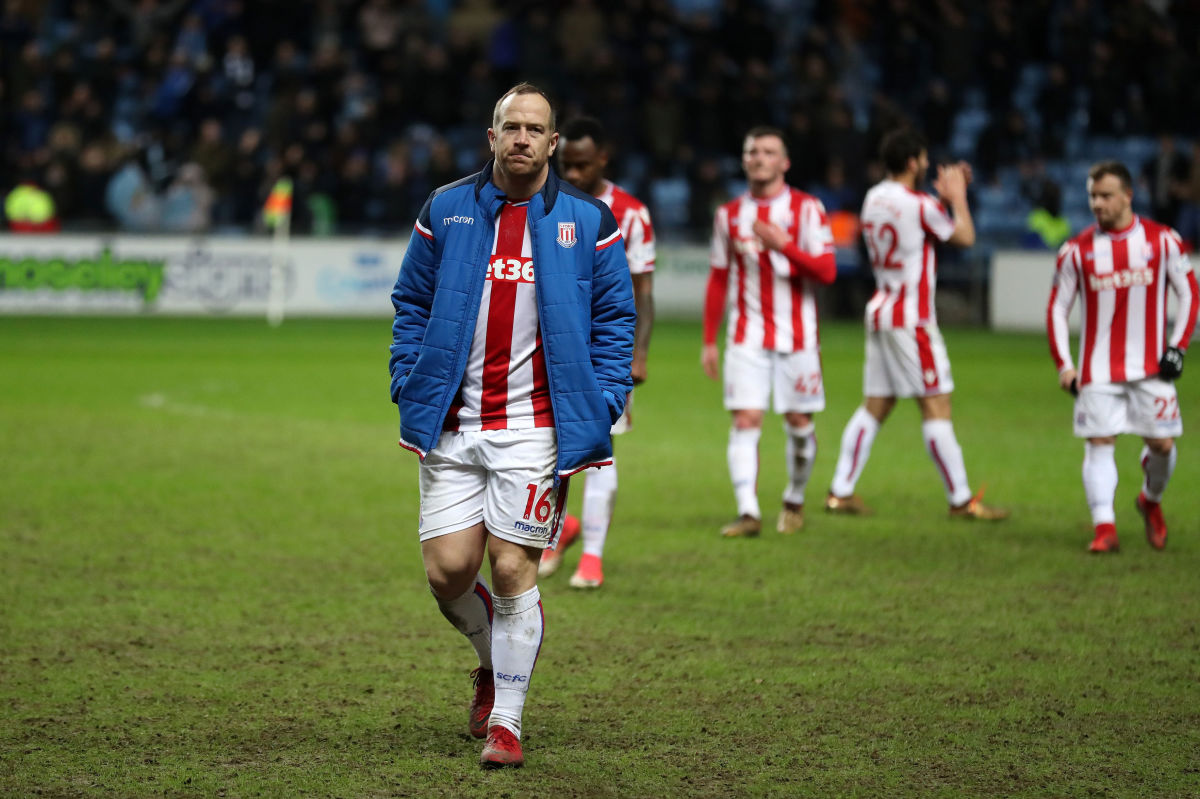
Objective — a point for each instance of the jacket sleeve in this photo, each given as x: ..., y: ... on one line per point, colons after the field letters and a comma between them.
x: 412, y: 298
x: 613, y: 316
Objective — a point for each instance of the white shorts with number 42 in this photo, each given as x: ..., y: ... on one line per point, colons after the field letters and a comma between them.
x: 753, y: 374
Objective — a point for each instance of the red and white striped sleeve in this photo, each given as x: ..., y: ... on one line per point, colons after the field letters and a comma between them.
x: 1062, y: 297
x: 1183, y: 283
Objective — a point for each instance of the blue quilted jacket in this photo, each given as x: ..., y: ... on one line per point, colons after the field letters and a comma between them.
x: 585, y: 309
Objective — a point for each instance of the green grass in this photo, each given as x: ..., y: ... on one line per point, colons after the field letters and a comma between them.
x: 210, y: 586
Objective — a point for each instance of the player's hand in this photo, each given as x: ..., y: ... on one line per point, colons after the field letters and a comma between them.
x: 951, y: 182
x: 639, y: 370
x: 968, y: 174
x: 771, y: 234
x: 710, y: 359
x: 1170, y: 367
x: 1068, y: 382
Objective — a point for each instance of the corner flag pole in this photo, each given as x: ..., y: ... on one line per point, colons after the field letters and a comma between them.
x: 278, y: 215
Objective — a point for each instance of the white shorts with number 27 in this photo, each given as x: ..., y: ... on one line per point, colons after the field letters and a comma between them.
x: 1148, y: 408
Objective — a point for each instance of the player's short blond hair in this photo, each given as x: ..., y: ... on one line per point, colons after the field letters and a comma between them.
x: 523, y: 88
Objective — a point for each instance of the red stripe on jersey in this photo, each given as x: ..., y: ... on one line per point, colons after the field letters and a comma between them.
x: 543, y: 412
x: 739, y: 333
x: 1120, y: 321
x: 797, y: 287
x: 898, y: 307
x: 766, y: 285
x: 923, y: 285
x: 510, y: 237
x: 1153, y: 342
x: 929, y: 372
x: 426, y: 233
x: 1087, y: 255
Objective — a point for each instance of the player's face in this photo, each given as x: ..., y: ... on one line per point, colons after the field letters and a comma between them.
x: 922, y: 167
x: 520, y: 136
x: 1111, y: 202
x: 764, y: 159
x: 582, y: 164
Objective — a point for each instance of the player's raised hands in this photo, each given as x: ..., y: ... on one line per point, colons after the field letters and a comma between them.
x: 952, y: 180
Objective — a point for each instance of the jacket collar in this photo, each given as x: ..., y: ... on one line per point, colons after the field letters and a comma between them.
x: 486, y: 192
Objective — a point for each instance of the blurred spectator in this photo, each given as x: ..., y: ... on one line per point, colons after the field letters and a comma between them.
x: 1166, y: 176
x: 1046, y: 227
x: 1189, y: 211
x: 29, y: 208
x: 674, y: 81
x: 188, y: 204
x: 131, y: 199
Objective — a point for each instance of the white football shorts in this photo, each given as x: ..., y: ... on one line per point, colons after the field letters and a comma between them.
x: 504, y: 478
x: 624, y: 422
x: 906, y: 363
x: 1146, y: 407
x: 752, y: 374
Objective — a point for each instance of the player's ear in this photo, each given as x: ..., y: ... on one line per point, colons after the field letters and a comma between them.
x: 491, y: 134
x: 553, y: 142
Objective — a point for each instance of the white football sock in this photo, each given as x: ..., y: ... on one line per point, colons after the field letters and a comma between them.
x: 471, y: 615
x: 742, y: 455
x: 857, y: 439
x: 1100, y: 481
x: 517, y: 629
x: 1157, y: 470
x: 801, y: 451
x: 943, y: 448
x: 599, y: 496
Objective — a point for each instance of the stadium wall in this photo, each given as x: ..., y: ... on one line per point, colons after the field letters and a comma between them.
x: 68, y: 274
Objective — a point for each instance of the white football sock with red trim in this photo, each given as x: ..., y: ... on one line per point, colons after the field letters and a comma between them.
x: 857, y: 439
x: 742, y: 455
x: 1157, y: 470
x: 517, y: 629
x: 471, y: 615
x: 1100, y: 481
x: 943, y: 448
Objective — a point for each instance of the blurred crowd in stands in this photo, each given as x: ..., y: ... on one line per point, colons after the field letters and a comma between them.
x: 179, y: 115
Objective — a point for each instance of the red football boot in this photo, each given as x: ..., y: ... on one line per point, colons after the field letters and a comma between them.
x: 481, y: 704
x: 1106, y: 538
x: 1156, y: 527
x: 502, y: 750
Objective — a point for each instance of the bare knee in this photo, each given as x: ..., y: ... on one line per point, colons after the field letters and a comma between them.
x: 453, y: 561
x: 1160, y: 446
x: 747, y: 419
x: 514, y: 567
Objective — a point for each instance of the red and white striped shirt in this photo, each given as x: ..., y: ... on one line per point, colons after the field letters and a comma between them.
x: 1123, y: 277
x: 634, y: 220
x: 768, y: 307
x: 505, y: 384
x: 899, y: 226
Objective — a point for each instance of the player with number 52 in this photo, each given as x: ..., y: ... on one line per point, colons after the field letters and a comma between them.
x: 906, y: 356
x: 1121, y: 267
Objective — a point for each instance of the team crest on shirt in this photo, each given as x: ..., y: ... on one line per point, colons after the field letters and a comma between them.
x: 566, y: 234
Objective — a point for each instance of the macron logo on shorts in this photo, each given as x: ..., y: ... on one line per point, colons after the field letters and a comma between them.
x: 538, y: 529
